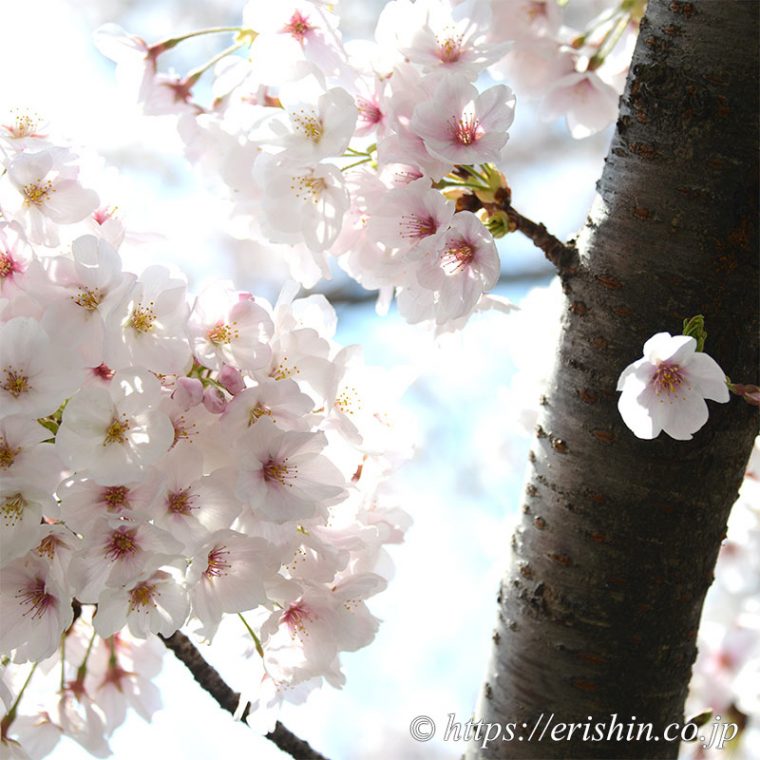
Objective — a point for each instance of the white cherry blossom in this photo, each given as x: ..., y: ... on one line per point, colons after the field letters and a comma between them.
x: 666, y: 389
x: 284, y: 476
x: 37, y: 373
x: 42, y: 191
x: 34, y: 609
x: 461, y: 125
x: 112, y: 433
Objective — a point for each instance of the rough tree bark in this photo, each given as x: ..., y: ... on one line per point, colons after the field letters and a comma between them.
x: 599, y: 610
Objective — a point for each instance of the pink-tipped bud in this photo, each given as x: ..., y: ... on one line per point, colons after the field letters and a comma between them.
x: 750, y: 393
x: 231, y: 379
x: 188, y: 392
x: 214, y: 401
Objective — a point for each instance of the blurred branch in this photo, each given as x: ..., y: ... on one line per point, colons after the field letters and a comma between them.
x: 352, y: 296
x: 210, y: 680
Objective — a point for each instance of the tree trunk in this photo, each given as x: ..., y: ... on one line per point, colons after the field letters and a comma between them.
x: 598, y: 613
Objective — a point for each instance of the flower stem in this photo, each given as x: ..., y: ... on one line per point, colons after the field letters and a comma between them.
x: 356, y: 163
x: 194, y: 75
x: 82, y: 669
x: 171, y: 42
x: 256, y: 640
x: 10, y: 716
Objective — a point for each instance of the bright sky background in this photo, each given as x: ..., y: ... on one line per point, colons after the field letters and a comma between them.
x: 463, y: 487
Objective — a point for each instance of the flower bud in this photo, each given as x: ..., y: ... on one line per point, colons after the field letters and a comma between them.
x: 188, y: 391
x: 213, y: 400
x: 231, y: 379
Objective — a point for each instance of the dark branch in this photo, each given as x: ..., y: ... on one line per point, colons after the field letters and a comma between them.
x: 212, y: 682
x: 563, y: 256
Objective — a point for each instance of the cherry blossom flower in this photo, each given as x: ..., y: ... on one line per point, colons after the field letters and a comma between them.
x: 414, y: 217
x: 279, y: 400
x: 667, y: 388
x: 148, y: 328
x: 462, y: 126
x: 310, y: 131
x: 84, y: 501
x: 189, y: 504
x: 284, y: 476
x: 113, y: 433
x: 15, y: 255
x: 294, y: 38
x: 94, y: 285
x: 301, y: 203
x: 117, y: 552
x: 122, y: 668
x: 439, y: 35
x: 303, y: 639
x: 227, y: 328
x: 465, y: 266
x: 153, y: 604
x: 44, y: 192
x: 588, y: 103
x: 34, y: 609
x: 227, y: 574
x: 37, y: 373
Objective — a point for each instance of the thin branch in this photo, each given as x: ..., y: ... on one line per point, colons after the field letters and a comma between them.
x: 564, y: 256
x: 212, y: 682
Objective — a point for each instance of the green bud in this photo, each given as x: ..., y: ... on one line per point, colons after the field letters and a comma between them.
x: 498, y: 224
x: 695, y: 328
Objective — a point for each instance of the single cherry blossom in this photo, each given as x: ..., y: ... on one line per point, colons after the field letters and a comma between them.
x: 461, y: 125
x: 666, y: 389
x: 113, y: 433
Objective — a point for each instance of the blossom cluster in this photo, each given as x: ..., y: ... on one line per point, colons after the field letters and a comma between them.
x: 727, y: 670
x: 167, y: 461
x: 362, y: 151
x: 571, y: 72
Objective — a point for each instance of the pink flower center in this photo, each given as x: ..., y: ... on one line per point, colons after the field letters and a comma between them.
x: 142, y: 596
x: 298, y: 26
x: 8, y: 265
x: 414, y: 226
x: 115, y: 498
x: 279, y: 472
x: 15, y: 383
x: 466, y: 129
x: 103, y: 371
x: 121, y: 544
x: 182, y: 430
x: 179, y: 502
x: 102, y: 215
x: 296, y: 616
x: 34, y: 597
x: 449, y: 49
x: 8, y: 454
x: 35, y: 194
x: 457, y: 256
x: 668, y: 378
x: 369, y: 112
x: 48, y: 546
x: 222, y: 333
x: 536, y: 9
x: 12, y: 509
x: 217, y: 562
